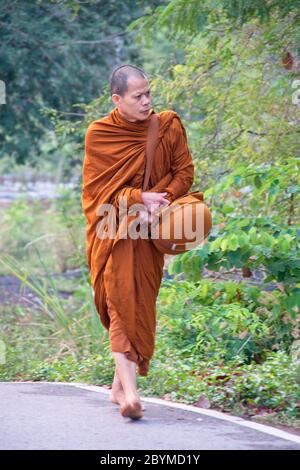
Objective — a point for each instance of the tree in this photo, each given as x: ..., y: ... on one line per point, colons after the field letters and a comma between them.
x: 56, y: 54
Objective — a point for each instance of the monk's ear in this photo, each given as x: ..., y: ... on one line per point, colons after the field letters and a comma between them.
x: 115, y: 98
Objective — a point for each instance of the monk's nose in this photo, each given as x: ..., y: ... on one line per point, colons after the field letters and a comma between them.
x: 146, y: 102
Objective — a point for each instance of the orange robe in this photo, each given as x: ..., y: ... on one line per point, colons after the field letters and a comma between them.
x: 126, y: 273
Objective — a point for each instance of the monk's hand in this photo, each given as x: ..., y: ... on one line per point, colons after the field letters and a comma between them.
x: 154, y: 202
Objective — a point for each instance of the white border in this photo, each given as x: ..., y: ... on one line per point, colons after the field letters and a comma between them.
x: 211, y: 413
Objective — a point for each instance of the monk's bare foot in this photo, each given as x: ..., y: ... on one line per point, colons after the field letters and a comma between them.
x: 132, y: 408
x: 117, y: 395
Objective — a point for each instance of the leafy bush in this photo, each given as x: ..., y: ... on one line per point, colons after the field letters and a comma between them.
x: 225, y: 320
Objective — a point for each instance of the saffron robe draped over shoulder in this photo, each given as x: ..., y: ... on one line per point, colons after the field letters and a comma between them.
x: 126, y: 273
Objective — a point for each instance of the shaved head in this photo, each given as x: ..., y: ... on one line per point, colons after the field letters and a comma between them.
x: 120, y: 75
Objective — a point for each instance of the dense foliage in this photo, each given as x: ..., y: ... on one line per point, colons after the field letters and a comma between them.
x: 230, y: 69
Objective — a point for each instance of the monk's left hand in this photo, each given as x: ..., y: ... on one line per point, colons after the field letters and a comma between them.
x: 154, y: 201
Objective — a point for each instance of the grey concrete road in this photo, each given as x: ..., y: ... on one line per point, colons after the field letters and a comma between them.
x: 55, y: 416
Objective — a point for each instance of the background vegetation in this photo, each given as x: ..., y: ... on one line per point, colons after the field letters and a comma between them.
x: 228, y: 312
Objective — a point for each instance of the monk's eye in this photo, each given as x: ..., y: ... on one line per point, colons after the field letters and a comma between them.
x: 138, y: 96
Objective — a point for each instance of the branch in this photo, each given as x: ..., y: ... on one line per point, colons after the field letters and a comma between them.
x: 97, y: 41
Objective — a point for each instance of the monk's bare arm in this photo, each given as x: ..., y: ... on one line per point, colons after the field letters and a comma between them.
x: 182, y: 166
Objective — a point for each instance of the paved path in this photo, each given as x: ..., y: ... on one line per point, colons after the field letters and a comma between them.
x: 45, y: 415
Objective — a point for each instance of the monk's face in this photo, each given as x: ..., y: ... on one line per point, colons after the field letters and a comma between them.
x: 136, y: 102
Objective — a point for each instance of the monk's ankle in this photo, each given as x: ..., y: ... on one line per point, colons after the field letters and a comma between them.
x: 117, y: 387
x: 117, y: 383
x: 132, y: 397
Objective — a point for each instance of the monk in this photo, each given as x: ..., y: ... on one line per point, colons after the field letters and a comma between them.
x: 126, y: 273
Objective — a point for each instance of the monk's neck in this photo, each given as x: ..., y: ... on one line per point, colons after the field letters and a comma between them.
x: 126, y: 117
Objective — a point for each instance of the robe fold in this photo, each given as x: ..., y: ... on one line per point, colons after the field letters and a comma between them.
x: 126, y: 273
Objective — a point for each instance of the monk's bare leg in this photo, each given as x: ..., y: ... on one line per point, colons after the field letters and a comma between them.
x: 126, y: 371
